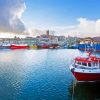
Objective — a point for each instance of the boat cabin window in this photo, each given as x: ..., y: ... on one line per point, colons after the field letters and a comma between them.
x: 99, y: 64
x: 79, y: 63
x: 89, y: 64
x: 95, y: 64
x: 84, y: 64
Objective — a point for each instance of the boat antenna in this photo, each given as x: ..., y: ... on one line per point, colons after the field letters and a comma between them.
x: 85, y: 47
x: 95, y: 49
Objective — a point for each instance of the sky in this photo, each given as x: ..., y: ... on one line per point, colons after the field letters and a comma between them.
x: 60, y: 12
x: 65, y: 17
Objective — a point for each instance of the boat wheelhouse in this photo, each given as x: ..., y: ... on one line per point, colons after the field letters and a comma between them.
x: 86, y: 68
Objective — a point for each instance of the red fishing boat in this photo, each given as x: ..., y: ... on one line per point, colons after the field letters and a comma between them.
x: 54, y: 46
x: 86, y: 68
x: 19, y: 46
x: 45, y: 46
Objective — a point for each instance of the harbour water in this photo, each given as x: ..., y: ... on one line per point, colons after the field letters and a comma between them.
x: 42, y: 75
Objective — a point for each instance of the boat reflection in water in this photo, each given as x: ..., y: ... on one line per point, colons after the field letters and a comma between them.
x: 85, y: 91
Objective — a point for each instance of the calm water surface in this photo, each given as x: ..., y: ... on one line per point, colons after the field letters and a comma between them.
x: 41, y: 75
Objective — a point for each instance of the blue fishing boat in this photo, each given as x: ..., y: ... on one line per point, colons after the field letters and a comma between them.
x: 90, y: 44
x: 89, y: 47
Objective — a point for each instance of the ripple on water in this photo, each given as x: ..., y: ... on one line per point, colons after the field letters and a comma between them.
x: 38, y: 75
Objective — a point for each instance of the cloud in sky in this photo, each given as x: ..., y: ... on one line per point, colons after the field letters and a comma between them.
x: 10, y: 16
x: 84, y: 28
x: 89, y: 27
x: 10, y: 22
x: 36, y: 32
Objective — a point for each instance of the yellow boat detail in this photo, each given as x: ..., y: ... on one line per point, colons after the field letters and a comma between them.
x: 33, y: 46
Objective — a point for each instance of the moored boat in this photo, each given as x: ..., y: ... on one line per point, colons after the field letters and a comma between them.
x: 86, y: 68
x: 19, y: 46
x: 54, y: 46
x: 33, y: 47
x: 45, y: 46
x: 4, y: 46
x: 89, y: 47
